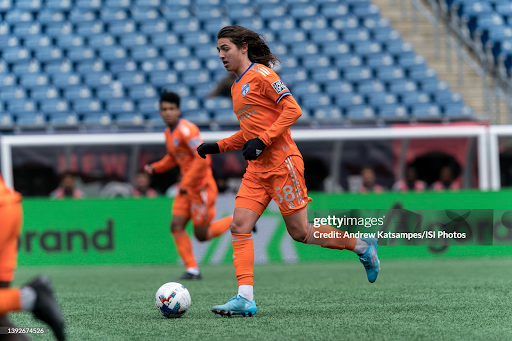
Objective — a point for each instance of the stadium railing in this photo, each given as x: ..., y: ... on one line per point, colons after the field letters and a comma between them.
x: 481, y: 133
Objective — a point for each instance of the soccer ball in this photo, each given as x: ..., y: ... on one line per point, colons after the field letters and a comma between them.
x: 172, y: 299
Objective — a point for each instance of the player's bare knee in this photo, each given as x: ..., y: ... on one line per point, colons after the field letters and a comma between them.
x: 200, y: 234
x: 175, y: 227
x: 236, y: 227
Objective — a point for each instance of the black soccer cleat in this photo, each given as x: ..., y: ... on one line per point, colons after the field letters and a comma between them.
x: 189, y: 276
x: 46, y: 308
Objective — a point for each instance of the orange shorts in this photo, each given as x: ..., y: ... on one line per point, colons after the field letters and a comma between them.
x: 285, y: 184
x: 10, y: 230
x: 198, y: 206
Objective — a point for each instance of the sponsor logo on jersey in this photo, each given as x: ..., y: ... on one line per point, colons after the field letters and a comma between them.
x: 194, y: 142
x: 279, y: 86
x: 176, y: 142
x: 245, y: 89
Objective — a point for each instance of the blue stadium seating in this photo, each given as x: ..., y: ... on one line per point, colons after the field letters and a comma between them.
x: 97, y: 62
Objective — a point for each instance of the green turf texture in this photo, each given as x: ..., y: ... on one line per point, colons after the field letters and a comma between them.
x: 454, y: 299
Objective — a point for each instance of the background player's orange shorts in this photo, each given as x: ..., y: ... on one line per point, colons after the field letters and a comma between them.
x: 10, y: 229
x: 285, y: 184
x: 200, y: 206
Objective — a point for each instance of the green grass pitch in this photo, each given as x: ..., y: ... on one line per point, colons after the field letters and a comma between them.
x: 455, y: 299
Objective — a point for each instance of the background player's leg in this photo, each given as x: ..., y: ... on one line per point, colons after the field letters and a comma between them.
x: 184, y: 247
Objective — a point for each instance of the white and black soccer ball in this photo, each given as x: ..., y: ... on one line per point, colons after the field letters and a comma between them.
x: 172, y: 299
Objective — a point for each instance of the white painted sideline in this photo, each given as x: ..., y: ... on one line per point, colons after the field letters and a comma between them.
x: 480, y: 132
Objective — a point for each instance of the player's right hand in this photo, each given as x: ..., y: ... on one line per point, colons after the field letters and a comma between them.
x: 208, y: 148
x: 148, y: 169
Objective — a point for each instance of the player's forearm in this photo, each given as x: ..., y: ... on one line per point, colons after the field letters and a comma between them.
x: 234, y: 142
x: 164, y: 165
x: 194, y: 173
x: 290, y: 114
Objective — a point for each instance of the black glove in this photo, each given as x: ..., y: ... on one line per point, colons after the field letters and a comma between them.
x: 208, y: 148
x: 253, y: 148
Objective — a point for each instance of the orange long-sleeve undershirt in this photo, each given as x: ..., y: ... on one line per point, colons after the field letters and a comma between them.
x: 165, y: 164
x: 290, y: 113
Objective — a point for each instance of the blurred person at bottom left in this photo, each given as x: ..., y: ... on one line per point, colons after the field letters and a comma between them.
x: 37, y: 295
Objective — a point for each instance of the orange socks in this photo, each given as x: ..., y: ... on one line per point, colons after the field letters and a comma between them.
x: 218, y: 227
x: 184, y: 248
x: 329, y: 237
x: 243, y: 258
x: 10, y: 300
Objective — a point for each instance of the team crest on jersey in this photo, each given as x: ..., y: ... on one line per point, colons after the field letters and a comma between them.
x: 176, y: 142
x: 245, y: 89
x: 279, y: 86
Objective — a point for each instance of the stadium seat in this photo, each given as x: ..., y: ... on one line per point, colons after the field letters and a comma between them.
x: 30, y: 81
x: 49, y: 54
x: 193, y: 78
x: 98, y: 41
x: 129, y: 79
x: 129, y: 119
x: 149, y: 106
x: 185, y: 25
x: 347, y: 61
x: 58, y: 29
x: 92, y: 65
x: 77, y: 92
x: 129, y: 40
x: 28, y: 119
x: 18, y: 16
x: 336, y: 87
x: 426, y: 111
x: 110, y: 15
x: 86, y: 106
x: 54, y: 106
x: 78, y: 16
x: 121, y: 27
x: 348, y: 99
x: 97, y: 118
x: 42, y: 93
x: 161, y: 79
x: 139, y: 92
x: 58, y: 5
x: 208, y: 12
x: 360, y: 113
x: 119, y: 106
x: 112, y: 53
x: 334, y: 10
x: 64, y: 80
x: 63, y: 119
x: 20, y: 107
x: 243, y: 11
x: 328, y: 113
x: 291, y: 36
x: 80, y: 54
x: 172, y: 13
x: 97, y: 79
x: 25, y: 67
x: 371, y: 87
x: 15, y: 54
x: 69, y: 42
x: 286, y: 23
x: 324, y: 74
x: 86, y: 29
x: 393, y: 112
x: 142, y: 15
x: 106, y: 92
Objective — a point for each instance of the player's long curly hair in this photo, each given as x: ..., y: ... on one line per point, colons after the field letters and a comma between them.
x: 257, y: 51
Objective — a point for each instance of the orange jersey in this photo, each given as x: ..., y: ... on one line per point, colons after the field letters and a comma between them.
x: 265, y: 109
x: 7, y: 196
x: 182, y: 143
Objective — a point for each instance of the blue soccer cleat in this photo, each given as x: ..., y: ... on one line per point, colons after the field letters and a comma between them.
x: 237, y: 305
x: 370, y: 259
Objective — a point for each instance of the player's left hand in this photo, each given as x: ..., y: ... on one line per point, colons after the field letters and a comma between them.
x: 253, y: 148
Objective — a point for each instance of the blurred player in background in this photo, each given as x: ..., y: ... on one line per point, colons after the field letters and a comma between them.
x: 266, y: 110
x: 198, y: 190
x: 36, y: 296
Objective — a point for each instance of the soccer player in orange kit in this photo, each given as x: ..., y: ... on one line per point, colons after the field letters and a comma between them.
x: 36, y: 296
x: 266, y: 109
x: 198, y: 189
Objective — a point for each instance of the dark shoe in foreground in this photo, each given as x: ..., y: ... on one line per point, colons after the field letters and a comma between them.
x: 189, y: 276
x: 46, y: 308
